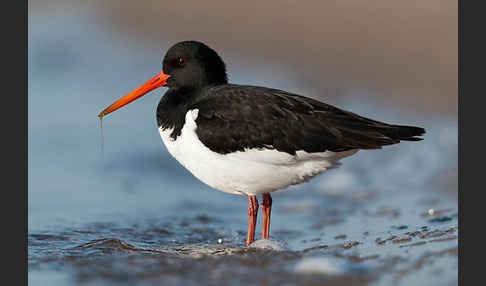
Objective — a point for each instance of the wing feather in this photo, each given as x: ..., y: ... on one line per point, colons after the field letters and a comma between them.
x: 235, y: 117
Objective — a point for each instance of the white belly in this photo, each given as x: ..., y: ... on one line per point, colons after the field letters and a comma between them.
x: 249, y: 172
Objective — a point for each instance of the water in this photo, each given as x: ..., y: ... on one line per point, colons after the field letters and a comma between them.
x: 131, y: 215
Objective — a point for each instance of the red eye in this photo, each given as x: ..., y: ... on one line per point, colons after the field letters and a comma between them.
x: 181, y: 61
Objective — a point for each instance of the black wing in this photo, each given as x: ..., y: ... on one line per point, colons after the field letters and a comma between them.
x: 234, y: 117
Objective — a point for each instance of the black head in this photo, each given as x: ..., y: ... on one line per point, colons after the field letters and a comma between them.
x: 192, y: 64
x: 187, y: 66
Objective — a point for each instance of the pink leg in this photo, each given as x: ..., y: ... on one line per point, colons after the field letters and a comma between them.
x: 252, y: 218
x: 266, y: 210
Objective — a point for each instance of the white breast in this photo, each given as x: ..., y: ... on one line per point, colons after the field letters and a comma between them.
x: 250, y: 172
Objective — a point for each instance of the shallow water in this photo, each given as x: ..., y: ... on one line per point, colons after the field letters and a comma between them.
x: 133, y: 216
x: 316, y: 238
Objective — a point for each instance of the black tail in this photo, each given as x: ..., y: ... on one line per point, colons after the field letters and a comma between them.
x: 407, y: 133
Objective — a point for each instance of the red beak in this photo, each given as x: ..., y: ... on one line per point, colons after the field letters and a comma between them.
x: 156, y: 82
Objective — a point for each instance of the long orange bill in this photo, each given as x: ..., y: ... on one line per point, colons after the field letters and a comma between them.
x: 156, y: 82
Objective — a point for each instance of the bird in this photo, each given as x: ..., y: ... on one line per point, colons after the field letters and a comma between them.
x: 251, y: 140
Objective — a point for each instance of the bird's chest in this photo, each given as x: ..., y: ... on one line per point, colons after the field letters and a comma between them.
x: 190, y: 152
x: 186, y: 146
x: 222, y: 172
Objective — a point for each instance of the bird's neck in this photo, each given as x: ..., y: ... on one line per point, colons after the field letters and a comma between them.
x: 173, y: 107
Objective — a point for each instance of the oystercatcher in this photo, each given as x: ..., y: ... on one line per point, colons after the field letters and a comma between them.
x: 251, y: 140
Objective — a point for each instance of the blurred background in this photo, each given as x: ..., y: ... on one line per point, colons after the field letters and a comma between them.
x: 394, y: 61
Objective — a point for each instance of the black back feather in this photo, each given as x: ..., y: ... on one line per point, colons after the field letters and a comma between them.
x: 235, y: 117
